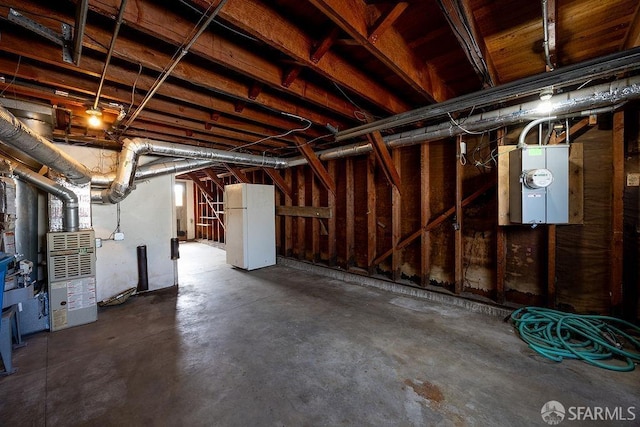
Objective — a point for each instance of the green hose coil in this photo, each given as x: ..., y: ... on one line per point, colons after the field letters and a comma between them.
x: 590, y: 338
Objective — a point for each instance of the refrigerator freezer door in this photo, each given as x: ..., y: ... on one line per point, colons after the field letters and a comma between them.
x: 235, y: 196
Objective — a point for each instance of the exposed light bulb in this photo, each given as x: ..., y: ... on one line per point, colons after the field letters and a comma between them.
x: 94, y: 121
x: 545, y: 107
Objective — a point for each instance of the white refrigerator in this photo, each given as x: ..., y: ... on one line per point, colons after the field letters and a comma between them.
x: 250, y: 225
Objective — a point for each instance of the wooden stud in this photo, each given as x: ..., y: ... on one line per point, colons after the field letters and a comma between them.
x: 396, y: 221
x: 501, y: 244
x: 279, y: 181
x: 617, y: 213
x: 551, y: 265
x: 386, y: 21
x: 331, y: 223
x: 316, y: 165
x: 350, y: 233
x: 425, y: 215
x: 300, y: 221
x: 458, y: 235
x: 442, y: 217
x: 288, y: 221
x: 315, y: 223
x: 324, y: 45
x: 372, y: 217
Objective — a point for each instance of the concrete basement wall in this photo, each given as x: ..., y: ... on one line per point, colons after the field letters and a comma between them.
x: 147, y: 217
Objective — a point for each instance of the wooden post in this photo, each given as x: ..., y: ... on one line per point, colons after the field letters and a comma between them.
x: 315, y: 223
x: 501, y: 245
x: 288, y: 221
x: 396, y: 221
x: 425, y: 215
x: 371, y: 212
x: 331, y: 222
x: 617, y: 213
x: 350, y: 219
x: 300, y: 221
x: 459, y: 244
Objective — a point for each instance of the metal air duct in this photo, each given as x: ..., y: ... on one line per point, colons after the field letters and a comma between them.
x: 579, y: 102
x: 132, y: 149
x: 68, y: 197
x: 16, y: 135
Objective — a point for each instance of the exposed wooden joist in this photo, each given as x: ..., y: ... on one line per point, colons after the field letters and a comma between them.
x: 238, y: 174
x: 305, y: 211
x: 386, y: 21
x: 132, y: 51
x: 390, y: 48
x: 459, y: 15
x: 316, y: 165
x: 279, y: 181
x: 617, y: 213
x: 210, y: 173
x: 324, y: 45
x: 632, y: 38
x: 257, y: 19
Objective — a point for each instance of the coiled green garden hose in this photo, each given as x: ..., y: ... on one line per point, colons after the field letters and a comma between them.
x: 557, y: 335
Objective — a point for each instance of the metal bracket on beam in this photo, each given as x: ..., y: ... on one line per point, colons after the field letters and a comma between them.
x: 64, y: 40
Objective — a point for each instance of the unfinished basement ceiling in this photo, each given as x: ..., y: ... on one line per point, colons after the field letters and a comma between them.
x: 264, y: 68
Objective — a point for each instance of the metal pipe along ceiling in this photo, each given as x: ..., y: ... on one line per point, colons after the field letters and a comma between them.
x: 134, y: 148
x: 575, y: 103
x: 71, y: 219
x: 16, y: 135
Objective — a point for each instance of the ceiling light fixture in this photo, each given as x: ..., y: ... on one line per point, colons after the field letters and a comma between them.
x: 95, y: 117
x: 545, y: 106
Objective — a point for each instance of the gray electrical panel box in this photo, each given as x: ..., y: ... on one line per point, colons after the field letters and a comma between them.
x: 71, y: 262
x: 539, y: 184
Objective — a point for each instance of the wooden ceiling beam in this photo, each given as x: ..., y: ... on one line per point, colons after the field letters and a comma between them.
x: 462, y: 22
x: 258, y: 19
x: 390, y: 48
x: 279, y: 181
x: 240, y: 176
x: 386, y: 21
x: 150, y: 18
x: 632, y: 39
x: 316, y: 165
x: 40, y: 51
x: 324, y: 45
x: 211, y: 174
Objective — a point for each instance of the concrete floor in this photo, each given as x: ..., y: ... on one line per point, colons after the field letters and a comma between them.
x: 279, y: 346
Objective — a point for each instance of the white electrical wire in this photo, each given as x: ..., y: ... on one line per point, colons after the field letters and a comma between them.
x: 282, y: 135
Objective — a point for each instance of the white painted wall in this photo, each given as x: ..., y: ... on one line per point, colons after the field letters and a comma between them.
x: 147, y: 217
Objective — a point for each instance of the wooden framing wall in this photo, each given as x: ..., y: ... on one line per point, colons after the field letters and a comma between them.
x: 439, y: 228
